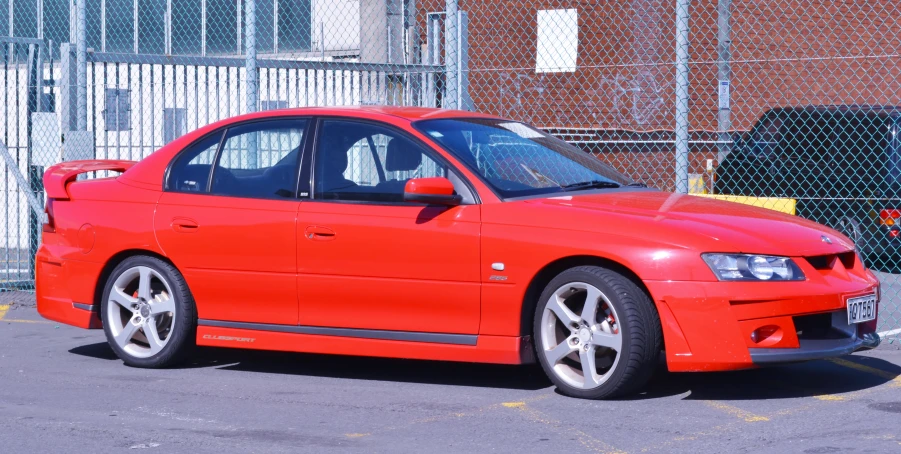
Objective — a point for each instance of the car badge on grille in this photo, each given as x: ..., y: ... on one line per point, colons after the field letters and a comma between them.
x: 825, y: 239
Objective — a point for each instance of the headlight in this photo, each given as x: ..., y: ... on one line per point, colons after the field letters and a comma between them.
x: 748, y: 267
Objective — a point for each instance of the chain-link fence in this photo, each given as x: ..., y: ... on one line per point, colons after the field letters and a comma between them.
x: 787, y: 102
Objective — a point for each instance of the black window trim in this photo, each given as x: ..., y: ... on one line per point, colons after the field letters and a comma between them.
x: 433, y: 153
x: 305, y: 146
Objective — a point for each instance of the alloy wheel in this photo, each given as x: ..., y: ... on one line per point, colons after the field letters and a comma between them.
x: 141, y: 311
x: 581, y: 337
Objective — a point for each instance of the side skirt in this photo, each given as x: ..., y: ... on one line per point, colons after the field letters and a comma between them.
x: 337, y: 341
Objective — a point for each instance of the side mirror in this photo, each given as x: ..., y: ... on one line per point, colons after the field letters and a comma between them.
x: 433, y: 191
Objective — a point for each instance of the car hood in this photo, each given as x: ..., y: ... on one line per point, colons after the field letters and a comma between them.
x: 688, y: 221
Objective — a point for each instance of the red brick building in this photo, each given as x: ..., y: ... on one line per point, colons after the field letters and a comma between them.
x: 620, y: 93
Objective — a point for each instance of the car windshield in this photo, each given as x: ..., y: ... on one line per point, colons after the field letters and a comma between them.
x: 519, y: 160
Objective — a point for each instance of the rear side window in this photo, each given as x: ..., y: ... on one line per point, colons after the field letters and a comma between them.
x: 260, y: 160
x: 191, y: 172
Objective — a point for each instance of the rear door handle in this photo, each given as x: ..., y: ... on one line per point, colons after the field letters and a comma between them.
x: 184, y: 225
x: 317, y: 233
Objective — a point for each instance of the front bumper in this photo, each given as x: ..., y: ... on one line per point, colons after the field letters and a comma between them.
x: 709, y: 326
x: 811, y: 349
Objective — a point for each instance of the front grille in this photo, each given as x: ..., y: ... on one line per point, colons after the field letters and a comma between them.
x: 828, y: 262
x: 817, y: 326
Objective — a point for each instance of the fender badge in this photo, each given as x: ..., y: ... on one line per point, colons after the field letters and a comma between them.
x: 825, y: 239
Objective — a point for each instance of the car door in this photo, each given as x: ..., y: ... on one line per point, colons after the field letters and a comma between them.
x: 227, y: 221
x: 368, y: 260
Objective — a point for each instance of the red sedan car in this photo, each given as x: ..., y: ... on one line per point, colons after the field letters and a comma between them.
x: 434, y: 234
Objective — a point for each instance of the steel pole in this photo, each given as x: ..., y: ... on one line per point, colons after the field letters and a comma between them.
x: 451, y: 55
x: 81, y: 71
x: 682, y: 18
x: 724, y: 75
x: 250, y: 46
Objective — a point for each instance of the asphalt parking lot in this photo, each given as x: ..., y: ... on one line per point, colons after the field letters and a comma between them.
x: 63, y: 390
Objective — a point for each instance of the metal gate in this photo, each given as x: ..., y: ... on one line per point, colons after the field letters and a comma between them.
x: 27, y: 81
x: 133, y: 104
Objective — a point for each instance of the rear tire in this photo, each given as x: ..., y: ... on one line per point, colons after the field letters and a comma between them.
x: 148, y: 313
x: 597, y: 334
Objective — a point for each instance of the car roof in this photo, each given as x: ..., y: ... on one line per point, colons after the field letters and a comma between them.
x: 150, y: 169
x: 406, y: 112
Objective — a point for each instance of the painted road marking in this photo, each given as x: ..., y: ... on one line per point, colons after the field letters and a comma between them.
x: 829, y: 397
x: 826, y: 399
x: 16, y: 320
x: 4, y: 308
x: 895, y: 378
x: 586, y: 440
x: 735, y: 411
x: 443, y: 417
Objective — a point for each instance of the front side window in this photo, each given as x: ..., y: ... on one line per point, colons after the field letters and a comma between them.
x: 367, y: 162
x: 518, y: 160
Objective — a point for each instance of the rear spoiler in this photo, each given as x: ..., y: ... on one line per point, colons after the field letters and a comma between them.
x: 56, y: 178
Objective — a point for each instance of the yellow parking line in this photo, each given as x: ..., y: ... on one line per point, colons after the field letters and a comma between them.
x: 894, y: 378
x: 825, y: 399
x: 735, y: 411
x: 829, y: 397
x: 16, y: 320
x: 4, y: 308
x: 442, y: 417
x: 586, y: 440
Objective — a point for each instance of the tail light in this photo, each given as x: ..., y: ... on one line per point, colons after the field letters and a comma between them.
x: 890, y: 218
x: 49, y: 223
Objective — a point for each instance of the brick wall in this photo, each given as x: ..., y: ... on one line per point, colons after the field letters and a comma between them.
x: 784, y: 52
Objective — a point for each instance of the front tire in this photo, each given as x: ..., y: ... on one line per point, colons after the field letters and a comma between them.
x: 597, y: 334
x: 148, y: 313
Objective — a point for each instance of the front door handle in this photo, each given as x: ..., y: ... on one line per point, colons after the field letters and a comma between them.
x: 184, y: 225
x: 317, y: 233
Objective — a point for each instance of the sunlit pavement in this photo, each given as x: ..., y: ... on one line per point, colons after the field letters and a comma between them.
x: 63, y: 390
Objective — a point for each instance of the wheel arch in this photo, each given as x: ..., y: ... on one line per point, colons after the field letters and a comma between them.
x: 551, y: 270
x: 113, y: 262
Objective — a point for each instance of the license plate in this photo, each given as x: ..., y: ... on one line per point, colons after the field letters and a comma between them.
x: 861, y: 309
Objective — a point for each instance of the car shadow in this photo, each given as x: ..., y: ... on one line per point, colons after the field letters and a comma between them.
x: 390, y: 369
x: 100, y: 350
x: 815, y: 378
x: 351, y: 367
x: 808, y: 379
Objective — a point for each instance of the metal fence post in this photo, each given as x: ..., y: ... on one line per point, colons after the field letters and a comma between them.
x: 451, y: 57
x: 724, y: 76
x: 68, y: 89
x: 250, y: 46
x: 81, y: 62
x: 464, y: 102
x: 682, y: 18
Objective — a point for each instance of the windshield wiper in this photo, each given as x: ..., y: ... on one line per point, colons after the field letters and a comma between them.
x: 592, y: 184
x: 637, y: 185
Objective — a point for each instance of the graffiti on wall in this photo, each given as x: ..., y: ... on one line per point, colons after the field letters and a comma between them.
x: 618, y: 101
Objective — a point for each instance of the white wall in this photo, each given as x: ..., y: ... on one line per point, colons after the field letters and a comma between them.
x: 340, y: 25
